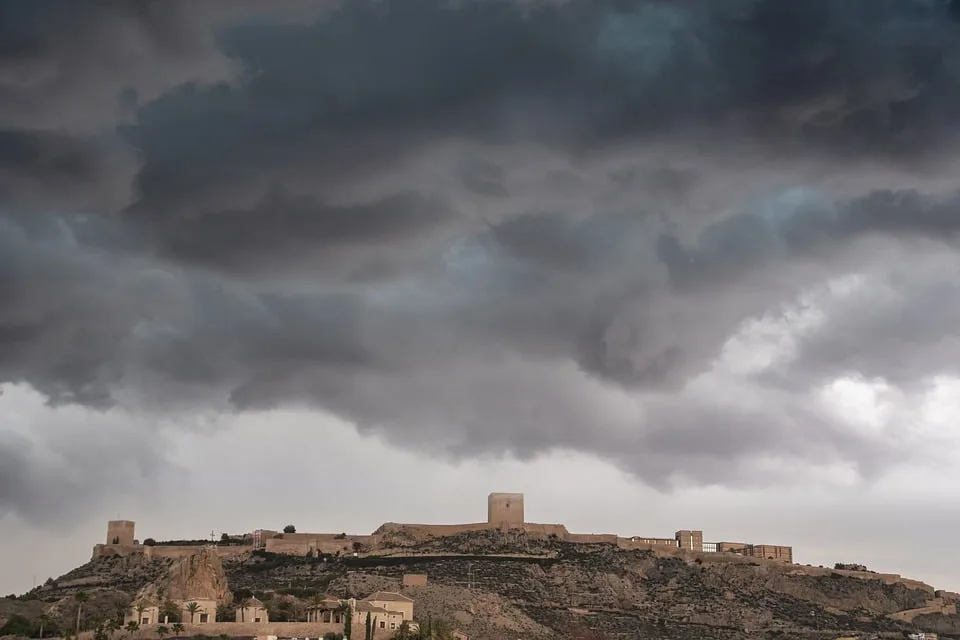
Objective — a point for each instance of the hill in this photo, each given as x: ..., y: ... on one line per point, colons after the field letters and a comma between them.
x: 492, y: 583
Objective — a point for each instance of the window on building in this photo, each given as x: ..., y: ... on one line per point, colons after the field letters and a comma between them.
x: 204, y: 618
x: 383, y: 625
x: 145, y: 621
x: 393, y: 625
x: 256, y: 619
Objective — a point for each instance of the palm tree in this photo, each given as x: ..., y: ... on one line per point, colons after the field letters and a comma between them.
x: 133, y: 626
x: 177, y: 628
x: 80, y: 597
x: 43, y: 620
x: 192, y: 609
x: 112, y: 627
x: 162, y: 630
x: 140, y: 609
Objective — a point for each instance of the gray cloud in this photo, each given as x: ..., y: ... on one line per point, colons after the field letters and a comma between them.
x: 474, y: 227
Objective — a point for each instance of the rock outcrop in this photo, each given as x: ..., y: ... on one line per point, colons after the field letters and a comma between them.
x: 195, y: 577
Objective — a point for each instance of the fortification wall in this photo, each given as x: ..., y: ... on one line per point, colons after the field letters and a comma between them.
x: 637, y: 543
x: 177, y: 551
x: 592, y: 538
x: 109, y: 550
x: 174, y: 552
x: 545, y: 530
x: 934, y: 606
x: 332, y: 543
x: 440, y: 530
x: 279, y: 629
x: 769, y: 552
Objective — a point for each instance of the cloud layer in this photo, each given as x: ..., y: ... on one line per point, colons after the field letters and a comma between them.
x: 480, y: 228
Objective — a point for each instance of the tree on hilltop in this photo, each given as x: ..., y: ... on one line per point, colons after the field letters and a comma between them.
x: 289, y: 529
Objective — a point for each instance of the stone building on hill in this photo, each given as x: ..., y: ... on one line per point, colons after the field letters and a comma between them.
x: 252, y: 610
x: 388, y: 610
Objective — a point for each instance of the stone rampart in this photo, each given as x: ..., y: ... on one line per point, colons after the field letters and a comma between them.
x: 174, y: 552
x: 591, y: 538
x: 645, y: 544
x: 332, y: 543
x: 237, y: 629
x: 546, y: 530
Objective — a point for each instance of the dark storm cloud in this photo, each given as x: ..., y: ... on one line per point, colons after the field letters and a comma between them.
x: 471, y: 224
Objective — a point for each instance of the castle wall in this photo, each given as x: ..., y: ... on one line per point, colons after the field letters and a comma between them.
x: 177, y: 551
x: 238, y: 629
x: 505, y: 509
x: 639, y: 543
x: 122, y: 550
x: 546, y: 529
x: 440, y: 530
x: 174, y: 552
x: 769, y: 552
x: 592, y: 538
x: 120, y: 532
x: 332, y: 543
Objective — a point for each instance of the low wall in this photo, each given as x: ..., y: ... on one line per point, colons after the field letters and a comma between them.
x: 931, y: 608
x: 592, y: 538
x: 442, y: 530
x: 546, y: 530
x: 302, y: 543
x: 233, y: 629
x: 174, y: 552
x: 177, y: 552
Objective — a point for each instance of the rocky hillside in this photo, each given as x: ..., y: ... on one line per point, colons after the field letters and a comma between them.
x: 495, y: 585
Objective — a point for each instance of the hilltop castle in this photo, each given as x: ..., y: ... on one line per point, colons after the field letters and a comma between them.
x: 505, y: 511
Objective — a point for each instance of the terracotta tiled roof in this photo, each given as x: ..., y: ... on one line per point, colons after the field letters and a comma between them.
x: 366, y: 606
x: 389, y: 596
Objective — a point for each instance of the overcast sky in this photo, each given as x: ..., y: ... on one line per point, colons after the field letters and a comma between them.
x: 657, y: 265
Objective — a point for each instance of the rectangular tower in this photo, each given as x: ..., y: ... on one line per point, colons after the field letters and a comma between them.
x: 120, y: 532
x: 690, y: 540
x: 505, y: 509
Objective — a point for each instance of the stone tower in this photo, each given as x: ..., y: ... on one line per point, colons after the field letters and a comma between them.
x: 690, y: 540
x: 120, y: 532
x: 505, y: 509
